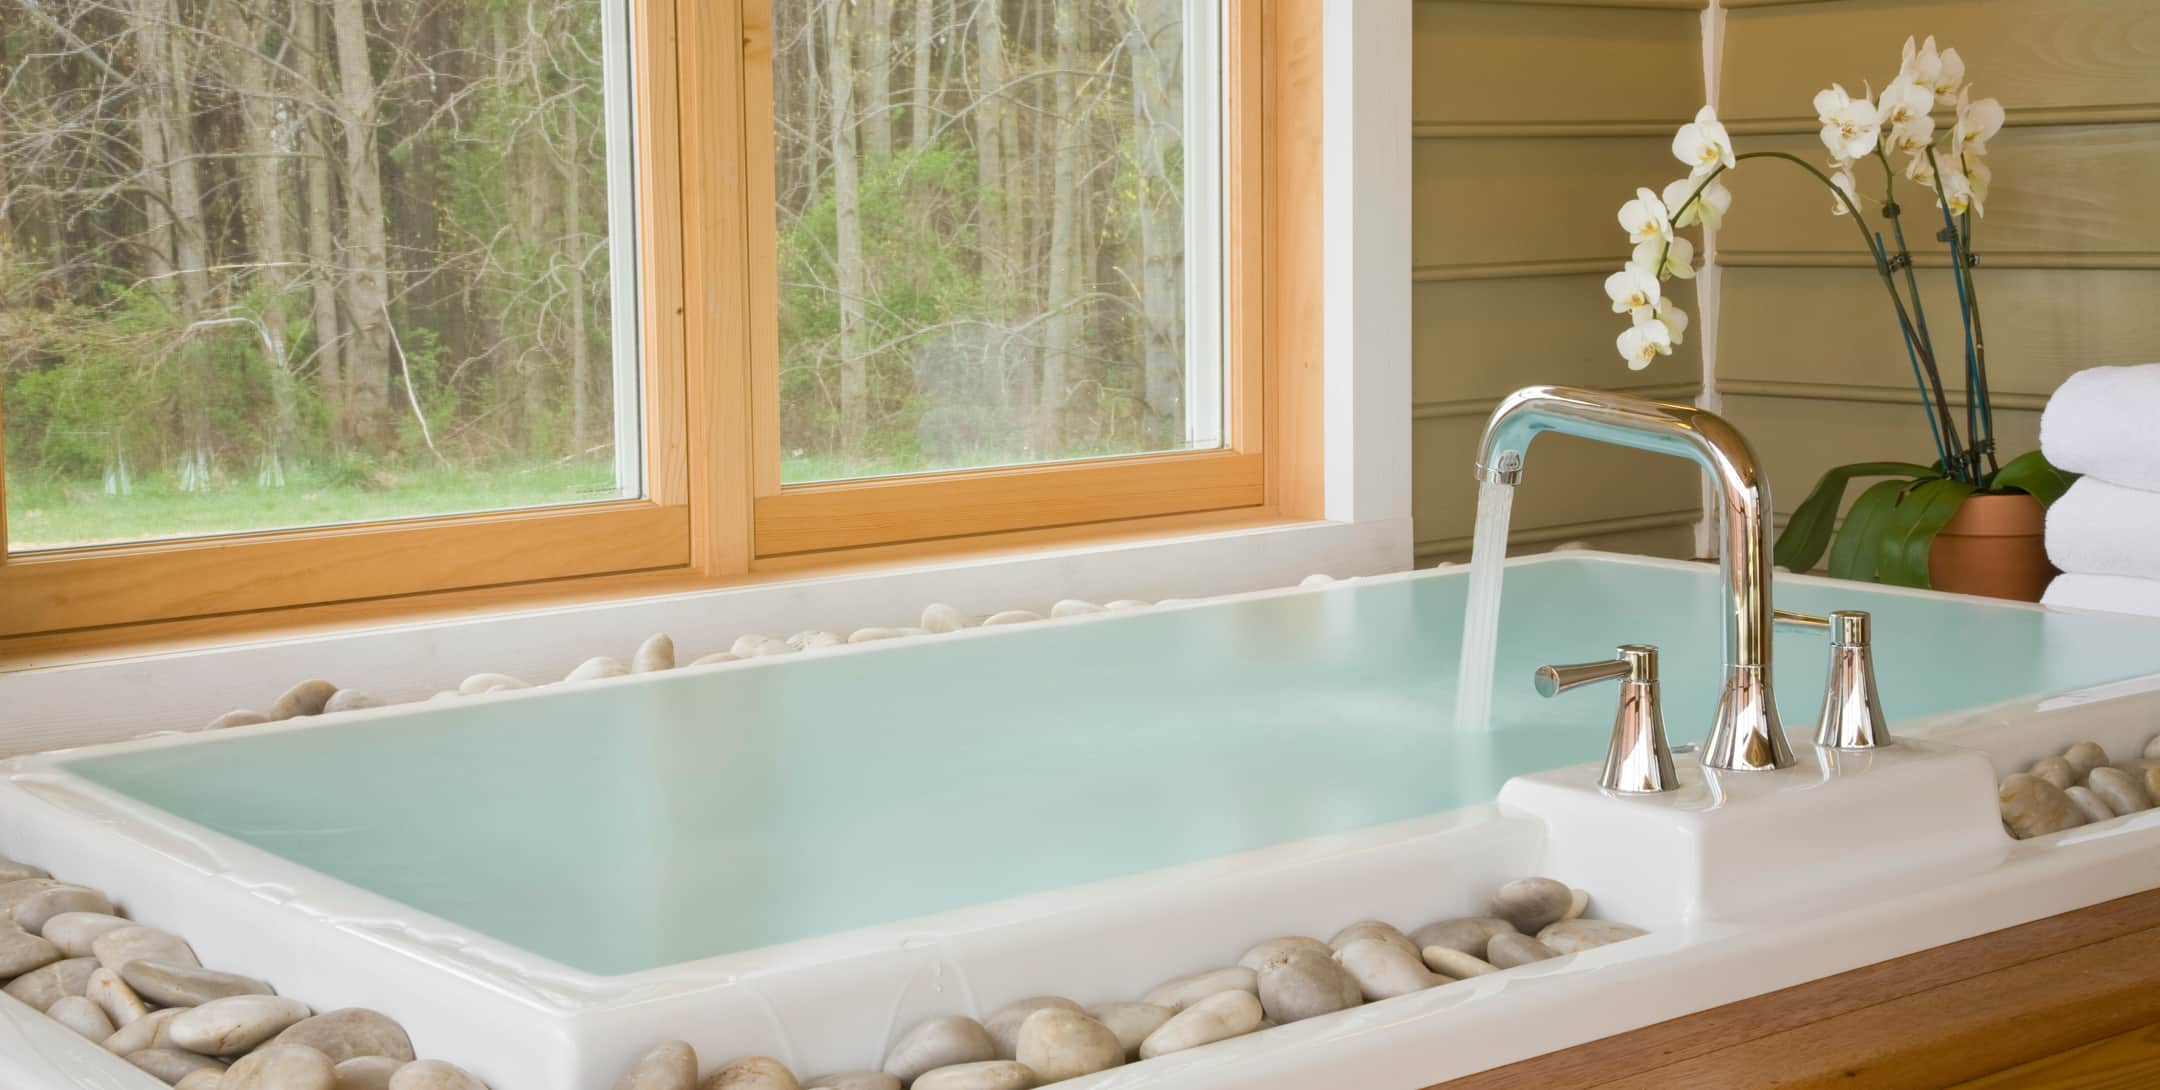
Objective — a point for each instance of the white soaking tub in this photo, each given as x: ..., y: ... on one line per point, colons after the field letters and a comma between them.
x: 802, y: 857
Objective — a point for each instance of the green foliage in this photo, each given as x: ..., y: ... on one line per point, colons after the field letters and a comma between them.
x: 1890, y: 529
x: 2032, y: 474
x: 1807, y: 534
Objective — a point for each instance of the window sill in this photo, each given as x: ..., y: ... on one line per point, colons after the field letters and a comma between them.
x: 177, y: 675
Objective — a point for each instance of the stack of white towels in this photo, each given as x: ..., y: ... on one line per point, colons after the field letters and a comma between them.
x: 2105, y: 532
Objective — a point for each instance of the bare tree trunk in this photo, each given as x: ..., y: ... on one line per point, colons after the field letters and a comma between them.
x: 1156, y: 46
x: 368, y: 359
x: 264, y: 170
x: 1063, y: 300
x: 877, y: 118
x: 574, y: 234
x: 323, y: 275
x: 919, y: 104
x: 854, y: 368
x: 990, y: 134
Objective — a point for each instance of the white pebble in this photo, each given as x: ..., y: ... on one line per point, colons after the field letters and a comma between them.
x: 1059, y: 1044
x: 1450, y: 962
x: 1219, y: 1017
x: 238, y: 717
x: 939, y: 1042
x: 1179, y: 993
x: 286, y: 1067
x: 115, y: 948
x: 1511, y: 950
x: 1384, y: 970
x: 747, y: 644
x: 1307, y: 983
x: 812, y: 640
x: 2120, y: 790
x: 116, y: 999
x: 655, y: 654
x: 1074, y: 607
x: 987, y: 1075
x: 1132, y: 1022
x: 939, y: 617
x: 1011, y: 616
x: 375, y: 1072
x: 349, y: 700
x: 1468, y: 934
x: 2152, y: 748
x: 2083, y: 757
x: 2054, y: 770
x: 490, y: 683
x: 82, y: 1016
x: 1004, y: 1023
x: 32, y: 913
x: 306, y: 698
x: 770, y: 648
x: 597, y: 667
x: 1372, y: 929
x: 1277, y: 949
x: 1531, y: 903
x: 872, y: 635
x: 851, y: 1080
x: 714, y: 659
x: 752, y: 1073
x: 2034, y: 807
x: 1127, y: 603
x: 1578, y: 903
x: 2095, y: 810
x: 1575, y: 936
x: 234, y: 1026
x: 1316, y: 580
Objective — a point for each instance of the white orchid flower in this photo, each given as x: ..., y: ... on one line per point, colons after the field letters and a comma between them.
x: 1703, y: 144
x: 1922, y: 64
x: 1640, y: 344
x: 1633, y: 291
x: 1949, y: 79
x: 1709, y: 207
x: 1644, y: 218
x: 1977, y: 123
x: 1911, y: 136
x: 1958, y: 195
x: 1679, y: 258
x: 1920, y: 170
x: 1978, y: 174
x: 1671, y: 316
x: 1850, y: 126
x: 1904, y: 108
x: 1842, y: 178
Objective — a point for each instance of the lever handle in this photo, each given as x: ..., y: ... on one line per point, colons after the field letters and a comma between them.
x: 1636, y: 662
x: 1848, y: 627
x: 1791, y: 619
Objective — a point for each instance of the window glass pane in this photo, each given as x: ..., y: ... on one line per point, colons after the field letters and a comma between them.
x: 280, y: 263
x: 999, y: 231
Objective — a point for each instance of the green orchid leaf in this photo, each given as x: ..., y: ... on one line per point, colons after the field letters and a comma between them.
x: 2033, y: 475
x: 1902, y: 557
x: 1807, y: 534
x: 1859, y: 539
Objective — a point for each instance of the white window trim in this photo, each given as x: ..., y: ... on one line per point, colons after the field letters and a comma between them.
x: 1367, y: 530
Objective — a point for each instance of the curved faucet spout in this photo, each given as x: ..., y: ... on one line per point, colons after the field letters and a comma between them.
x: 1746, y: 735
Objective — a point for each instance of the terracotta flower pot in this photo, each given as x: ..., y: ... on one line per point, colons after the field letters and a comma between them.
x: 1994, y: 546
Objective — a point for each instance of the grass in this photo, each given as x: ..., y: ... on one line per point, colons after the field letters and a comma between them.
x: 47, y: 513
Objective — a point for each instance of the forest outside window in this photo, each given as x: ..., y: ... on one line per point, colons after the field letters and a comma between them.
x: 273, y: 264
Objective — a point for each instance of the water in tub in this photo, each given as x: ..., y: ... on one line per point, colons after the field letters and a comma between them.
x: 631, y: 825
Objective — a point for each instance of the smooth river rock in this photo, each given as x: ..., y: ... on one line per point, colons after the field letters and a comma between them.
x: 22, y: 952
x: 882, y: 632
x: 1529, y: 904
x: 854, y: 1080
x: 12, y: 871
x: 2083, y: 757
x: 2152, y: 748
x: 1059, y: 1044
x: 1573, y: 936
x: 1384, y: 970
x: 49, y: 985
x: 1453, y: 963
x: 1508, y: 951
x: 1178, y: 993
x: 2148, y: 774
x: 939, y: 1042
x: 1468, y: 934
x: 170, y: 1065
x: 115, y: 948
x: 595, y: 668
x: 1307, y: 983
x: 375, y: 1073
x: 1011, y: 616
x: 988, y: 1075
x: 2034, y: 807
x: 939, y: 617
x: 655, y: 654
x: 1004, y: 1022
x: 714, y: 659
x: 238, y: 717
x: 281, y: 1067
x: 2089, y: 803
x: 1219, y: 1017
x: 115, y: 998
x: 38, y: 909
x: 306, y: 698
x: 1074, y: 607
x: 352, y: 1033
x: 439, y: 1075
x: 233, y: 1026
x: 82, y: 1016
x: 2054, y: 770
x: 752, y: 1073
x: 1578, y: 904
x: 1132, y: 1022
x: 74, y: 932
x: 17, y: 891
x: 170, y: 985
x: 1271, y: 950
x: 145, y: 1032
x: 483, y: 684
x: 209, y: 1079
x: 2124, y: 793
x: 1372, y: 929
x: 349, y: 700
x: 814, y: 639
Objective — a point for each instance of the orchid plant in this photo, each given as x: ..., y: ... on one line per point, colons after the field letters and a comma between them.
x: 1888, y: 531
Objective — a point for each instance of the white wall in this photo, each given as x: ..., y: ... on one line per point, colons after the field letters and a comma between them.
x: 1367, y: 380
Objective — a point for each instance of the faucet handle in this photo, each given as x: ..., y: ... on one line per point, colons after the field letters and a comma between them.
x: 1637, y: 761
x: 1852, y: 715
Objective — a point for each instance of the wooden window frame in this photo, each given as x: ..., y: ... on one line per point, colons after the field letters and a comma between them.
x: 715, y: 511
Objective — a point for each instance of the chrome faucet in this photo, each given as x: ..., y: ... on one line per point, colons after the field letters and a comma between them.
x: 1746, y: 735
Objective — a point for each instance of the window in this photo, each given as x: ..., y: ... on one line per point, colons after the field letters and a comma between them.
x: 317, y: 301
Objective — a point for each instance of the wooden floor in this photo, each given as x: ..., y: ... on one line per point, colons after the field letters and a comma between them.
x: 2072, y: 1001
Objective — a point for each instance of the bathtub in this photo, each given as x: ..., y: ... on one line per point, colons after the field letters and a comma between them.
x: 802, y: 857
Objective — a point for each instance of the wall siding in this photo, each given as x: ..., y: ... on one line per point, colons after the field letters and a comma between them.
x: 1533, y: 121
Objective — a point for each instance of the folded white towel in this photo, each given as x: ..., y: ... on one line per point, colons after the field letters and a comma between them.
x: 2098, y: 528
x: 2101, y: 423
x: 2108, y: 593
